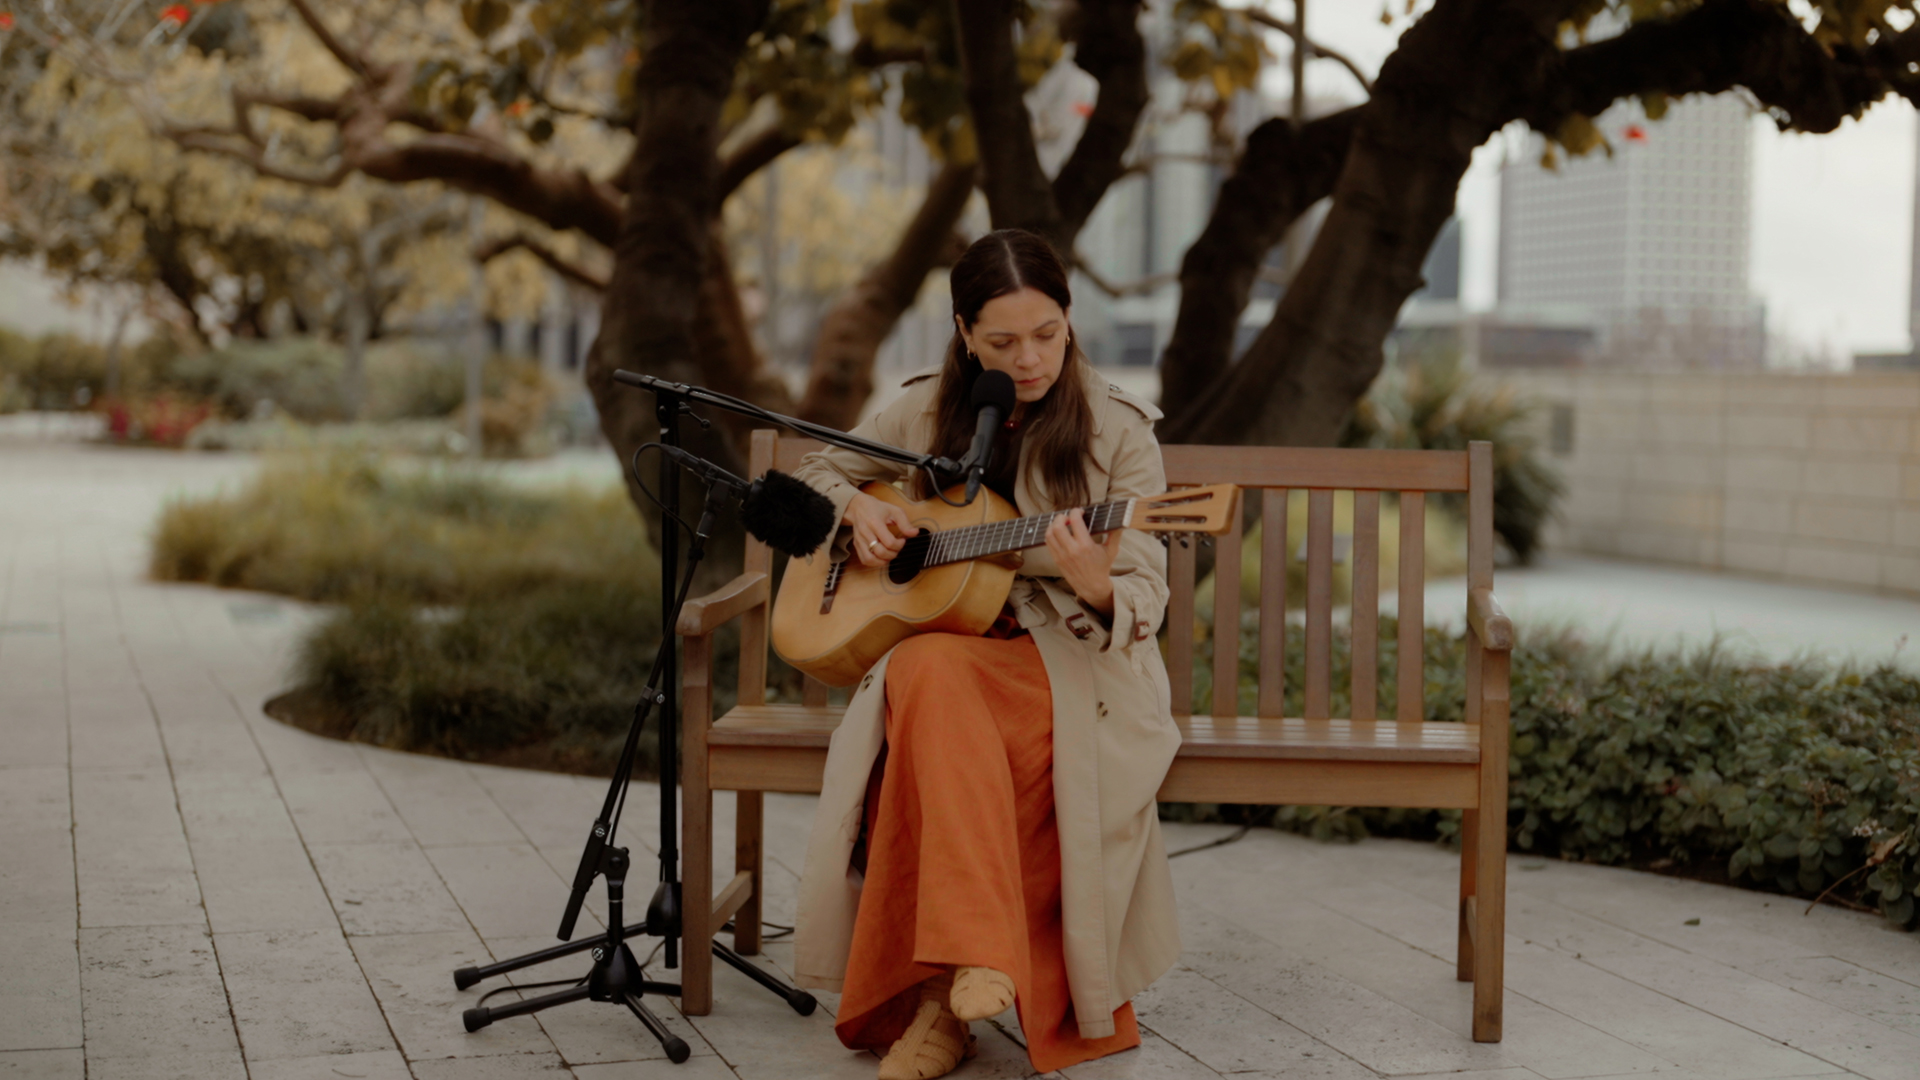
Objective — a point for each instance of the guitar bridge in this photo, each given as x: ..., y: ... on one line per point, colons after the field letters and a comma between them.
x: 834, y: 571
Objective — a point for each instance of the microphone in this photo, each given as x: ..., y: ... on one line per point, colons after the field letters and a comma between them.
x: 993, y: 396
x: 779, y: 511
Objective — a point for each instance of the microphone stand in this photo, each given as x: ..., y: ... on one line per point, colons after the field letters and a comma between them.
x: 617, y: 977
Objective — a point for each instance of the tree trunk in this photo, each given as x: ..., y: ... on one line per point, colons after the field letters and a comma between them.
x: 853, y: 329
x: 1445, y: 91
x: 665, y: 249
x: 1279, y: 175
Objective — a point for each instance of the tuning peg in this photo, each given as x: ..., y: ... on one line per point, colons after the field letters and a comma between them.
x: 1186, y: 541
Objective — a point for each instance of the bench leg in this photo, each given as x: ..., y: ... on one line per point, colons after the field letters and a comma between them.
x: 1489, y: 912
x: 748, y: 857
x: 1469, y: 864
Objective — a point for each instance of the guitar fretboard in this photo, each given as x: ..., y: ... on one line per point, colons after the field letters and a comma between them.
x: 998, y: 537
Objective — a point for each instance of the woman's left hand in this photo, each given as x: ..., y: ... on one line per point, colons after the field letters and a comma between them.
x: 1085, y: 561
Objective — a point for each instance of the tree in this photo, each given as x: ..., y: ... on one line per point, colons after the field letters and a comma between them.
x: 616, y: 130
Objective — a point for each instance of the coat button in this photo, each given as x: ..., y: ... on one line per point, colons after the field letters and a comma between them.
x: 1103, y: 709
x: 866, y: 682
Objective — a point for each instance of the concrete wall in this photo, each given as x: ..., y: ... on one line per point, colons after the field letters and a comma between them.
x: 1805, y: 477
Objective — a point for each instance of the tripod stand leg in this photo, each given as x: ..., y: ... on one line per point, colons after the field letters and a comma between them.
x: 477, y: 1018
x: 468, y: 976
x: 676, y: 1047
x: 801, y: 1001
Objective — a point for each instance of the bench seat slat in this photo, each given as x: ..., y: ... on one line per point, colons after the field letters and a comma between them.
x: 798, y: 726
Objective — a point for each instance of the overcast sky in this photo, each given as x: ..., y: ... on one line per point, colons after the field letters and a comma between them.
x: 1832, y: 214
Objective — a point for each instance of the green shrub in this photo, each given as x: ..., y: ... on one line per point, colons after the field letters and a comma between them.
x: 344, y: 528
x: 478, y: 619
x: 1797, y: 776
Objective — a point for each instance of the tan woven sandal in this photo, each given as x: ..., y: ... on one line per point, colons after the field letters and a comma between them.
x: 935, y: 1043
x: 980, y: 992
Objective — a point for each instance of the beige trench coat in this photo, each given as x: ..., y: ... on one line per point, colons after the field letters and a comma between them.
x: 1113, y: 734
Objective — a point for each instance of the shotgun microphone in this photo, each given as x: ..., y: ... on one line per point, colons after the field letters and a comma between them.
x: 993, y: 397
x: 779, y: 511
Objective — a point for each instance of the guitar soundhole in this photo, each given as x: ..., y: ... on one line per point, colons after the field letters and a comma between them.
x: 912, y: 559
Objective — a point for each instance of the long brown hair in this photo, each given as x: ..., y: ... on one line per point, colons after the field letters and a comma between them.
x: 1058, y: 427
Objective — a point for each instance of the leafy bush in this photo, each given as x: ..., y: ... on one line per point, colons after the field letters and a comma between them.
x: 343, y: 528
x: 61, y: 372
x: 1800, y: 777
x: 479, y: 619
x: 1428, y: 402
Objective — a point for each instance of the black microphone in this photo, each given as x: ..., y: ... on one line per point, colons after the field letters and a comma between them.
x: 993, y: 396
x: 779, y: 511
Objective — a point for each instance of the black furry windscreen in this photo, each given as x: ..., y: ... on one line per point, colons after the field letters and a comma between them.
x: 787, y: 514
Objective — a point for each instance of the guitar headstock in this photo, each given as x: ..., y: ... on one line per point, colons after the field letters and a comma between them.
x: 1209, y: 509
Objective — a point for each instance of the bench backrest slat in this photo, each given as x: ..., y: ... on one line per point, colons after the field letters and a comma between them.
x: 1226, y: 620
x: 1366, y: 601
x: 1413, y: 607
x: 1319, y: 603
x: 1273, y: 603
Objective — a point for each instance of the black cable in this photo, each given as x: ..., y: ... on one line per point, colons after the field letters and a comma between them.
x: 1238, y: 834
x: 634, y: 464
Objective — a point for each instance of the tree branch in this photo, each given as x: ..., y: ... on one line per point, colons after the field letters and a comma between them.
x: 840, y: 378
x: 1111, y: 50
x: 1018, y: 192
x: 1714, y: 48
x: 1273, y: 22
x: 213, y: 141
x: 750, y: 157
x: 353, y: 60
x: 1281, y: 173
x: 572, y: 271
x: 557, y: 198
x: 1145, y: 286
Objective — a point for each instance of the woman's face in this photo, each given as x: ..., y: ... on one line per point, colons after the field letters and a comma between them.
x: 1024, y: 334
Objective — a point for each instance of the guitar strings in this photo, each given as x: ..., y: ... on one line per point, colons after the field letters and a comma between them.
x: 974, y: 541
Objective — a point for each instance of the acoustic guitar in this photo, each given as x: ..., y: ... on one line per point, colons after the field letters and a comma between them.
x: 833, y: 619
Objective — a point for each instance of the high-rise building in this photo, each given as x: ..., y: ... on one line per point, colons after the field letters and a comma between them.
x: 1647, y: 244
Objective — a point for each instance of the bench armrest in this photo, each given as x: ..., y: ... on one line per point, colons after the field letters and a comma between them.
x: 1490, y: 623
x: 703, y: 615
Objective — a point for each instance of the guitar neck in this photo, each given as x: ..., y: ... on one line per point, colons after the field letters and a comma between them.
x: 1015, y: 534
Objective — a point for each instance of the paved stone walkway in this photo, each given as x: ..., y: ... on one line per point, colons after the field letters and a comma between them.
x: 191, y: 890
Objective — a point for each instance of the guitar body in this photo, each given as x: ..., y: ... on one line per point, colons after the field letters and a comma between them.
x: 837, y: 638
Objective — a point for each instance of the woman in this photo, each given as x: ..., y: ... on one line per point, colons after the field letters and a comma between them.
x: 987, y: 833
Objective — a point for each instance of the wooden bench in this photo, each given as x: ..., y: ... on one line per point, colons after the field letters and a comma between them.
x: 1264, y: 759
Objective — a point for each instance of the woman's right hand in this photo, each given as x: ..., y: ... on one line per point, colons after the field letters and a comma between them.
x: 880, y: 529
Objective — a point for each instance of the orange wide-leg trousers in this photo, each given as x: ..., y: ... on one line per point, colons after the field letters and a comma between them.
x: 962, y: 851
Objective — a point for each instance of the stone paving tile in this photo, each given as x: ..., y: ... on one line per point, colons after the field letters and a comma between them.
x: 547, y: 1066
x: 1829, y: 1033
x: 260, y: 885
x: 43, y: 1064
x: 412, y: 978
x: 115, y: 730
x: 225, y: 1065
x: 386, y: 889
x: 699, y: 1068
x: 299, y: 994
x: 344, y: 807
x: 154, y: 992
x: 1850, y: 987
x: 1687, y: 1037
x: 1381, y: 1034
x: 440, y: 805
x: 507, y: 890
x: 368, y: 1065
x: 547, y: 813
x: 40, y: 994
x: 131, y: 854
x: 1228, y: 1034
